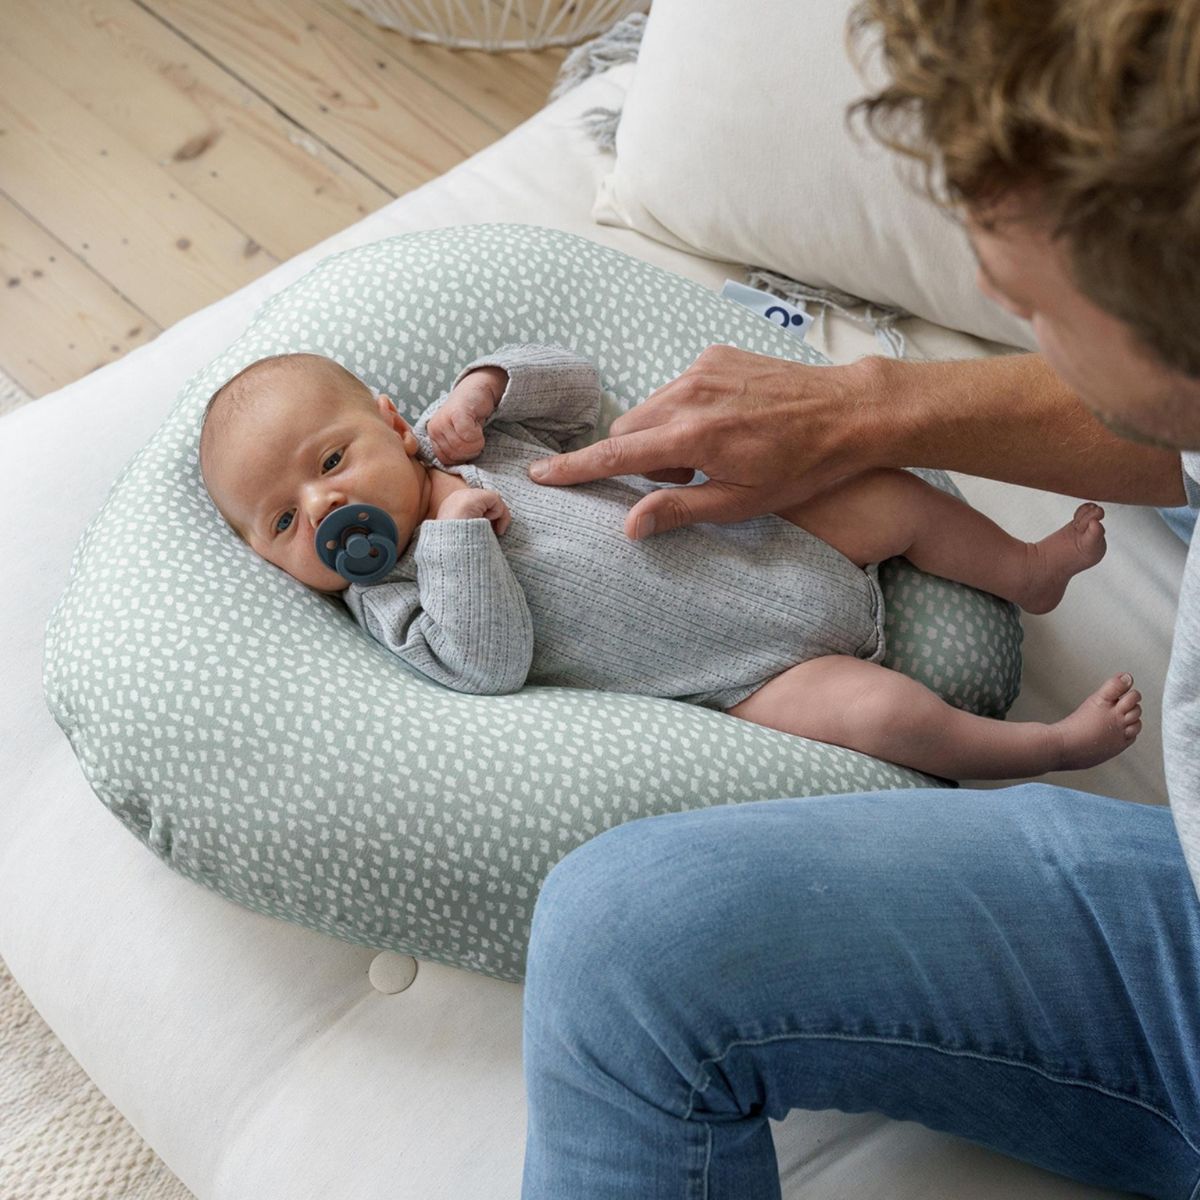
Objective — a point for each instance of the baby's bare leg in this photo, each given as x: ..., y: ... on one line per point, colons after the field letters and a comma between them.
x: 867, y: 707
x: 885, y: 512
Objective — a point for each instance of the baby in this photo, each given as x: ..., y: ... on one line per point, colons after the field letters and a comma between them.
x: 501, y: 581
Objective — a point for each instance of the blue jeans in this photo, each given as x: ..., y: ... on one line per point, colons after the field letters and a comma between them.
x: 1182, y: 520
x: 1018, y: 966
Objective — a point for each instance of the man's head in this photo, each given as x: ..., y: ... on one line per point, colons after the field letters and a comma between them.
x: 294, y: 436
x: 1069, y: 133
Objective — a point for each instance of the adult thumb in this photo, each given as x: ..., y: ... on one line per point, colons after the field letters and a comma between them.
x: 671, y: 508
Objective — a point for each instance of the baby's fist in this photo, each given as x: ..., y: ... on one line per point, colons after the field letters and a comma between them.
x: 456, y: 429
x: 476, y: 502
x: 456, y: 433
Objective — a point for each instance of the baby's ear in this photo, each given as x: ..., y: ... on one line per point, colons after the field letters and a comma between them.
x: 387, y: 410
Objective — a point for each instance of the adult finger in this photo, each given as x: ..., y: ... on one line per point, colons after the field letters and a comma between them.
x: 631, y: 454
x: 639, y: 417
x: 657, y: 408
x: 662, y: 511
x: 680, y: 475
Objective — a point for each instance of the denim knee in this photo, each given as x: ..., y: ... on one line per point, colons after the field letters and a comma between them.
x: 587, y: 910
x: 615, y: 891
x: 604, y: 982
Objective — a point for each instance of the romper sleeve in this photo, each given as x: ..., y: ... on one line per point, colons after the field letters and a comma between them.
x: 464, y: 622
x: 552, y: 392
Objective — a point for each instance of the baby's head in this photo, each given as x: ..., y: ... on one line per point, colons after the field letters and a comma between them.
x: 292, y: 437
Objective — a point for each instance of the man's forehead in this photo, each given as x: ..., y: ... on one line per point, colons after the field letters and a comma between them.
x: 1015, y: 248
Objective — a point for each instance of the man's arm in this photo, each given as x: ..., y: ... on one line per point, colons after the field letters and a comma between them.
x: 770, y: 433
x: 1012, y: 418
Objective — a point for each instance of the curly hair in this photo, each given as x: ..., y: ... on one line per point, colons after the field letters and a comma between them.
x: 1091, y: 106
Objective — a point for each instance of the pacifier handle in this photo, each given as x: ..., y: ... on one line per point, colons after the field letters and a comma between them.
x: 358, y: 541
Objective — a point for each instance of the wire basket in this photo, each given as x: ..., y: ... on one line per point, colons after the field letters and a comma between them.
x: 498, y: 24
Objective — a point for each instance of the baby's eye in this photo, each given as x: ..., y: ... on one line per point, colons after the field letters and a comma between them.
x: 337, y: 454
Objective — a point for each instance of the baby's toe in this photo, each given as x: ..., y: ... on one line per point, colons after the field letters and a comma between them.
x: 1111, y: 690
x: 1131, y: 699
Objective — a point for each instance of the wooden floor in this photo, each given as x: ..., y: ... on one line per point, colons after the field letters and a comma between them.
x: 157, y: 154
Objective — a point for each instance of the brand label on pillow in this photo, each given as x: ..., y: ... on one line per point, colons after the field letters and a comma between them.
x: 792, y: 317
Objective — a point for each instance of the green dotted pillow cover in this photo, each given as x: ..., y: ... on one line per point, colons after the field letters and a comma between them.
x: 262, y: 744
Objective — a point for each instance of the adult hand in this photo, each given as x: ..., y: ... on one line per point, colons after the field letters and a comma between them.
x: 768, y: 432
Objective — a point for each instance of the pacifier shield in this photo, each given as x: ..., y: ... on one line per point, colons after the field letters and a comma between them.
x: 358, y: 541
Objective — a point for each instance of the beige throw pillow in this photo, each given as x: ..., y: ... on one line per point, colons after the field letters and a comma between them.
x: 733, y: 144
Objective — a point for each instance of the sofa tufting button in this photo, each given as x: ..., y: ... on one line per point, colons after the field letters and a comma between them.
x: 390, y: 972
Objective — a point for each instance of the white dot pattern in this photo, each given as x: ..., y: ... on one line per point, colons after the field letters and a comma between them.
x: 255, y: 738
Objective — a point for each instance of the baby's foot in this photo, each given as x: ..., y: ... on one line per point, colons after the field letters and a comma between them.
x: 1106, y: 723
x: 1076, y: 546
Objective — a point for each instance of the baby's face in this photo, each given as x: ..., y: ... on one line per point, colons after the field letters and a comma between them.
x: 305, y: 447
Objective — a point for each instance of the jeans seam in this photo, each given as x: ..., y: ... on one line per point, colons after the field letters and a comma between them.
x: 1195, y: 1192
x: 995, y: 1058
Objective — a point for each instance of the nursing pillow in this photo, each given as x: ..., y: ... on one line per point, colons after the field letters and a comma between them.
x: 255, y: 738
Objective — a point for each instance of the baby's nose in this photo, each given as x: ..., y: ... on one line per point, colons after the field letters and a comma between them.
x: 319, y: 507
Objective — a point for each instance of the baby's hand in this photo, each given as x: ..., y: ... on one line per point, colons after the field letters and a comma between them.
x: 456, y: 429
x: 476, y: 502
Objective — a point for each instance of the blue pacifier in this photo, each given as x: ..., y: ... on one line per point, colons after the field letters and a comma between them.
x: 358, y: 541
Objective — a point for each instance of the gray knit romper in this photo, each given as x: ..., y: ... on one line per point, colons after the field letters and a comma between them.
x: 706, y: 614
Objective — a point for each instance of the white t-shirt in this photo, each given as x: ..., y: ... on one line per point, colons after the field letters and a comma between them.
x: 1181, y: 696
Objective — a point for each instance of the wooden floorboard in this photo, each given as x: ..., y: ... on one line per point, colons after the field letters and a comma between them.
x: 58, y: 318
x: 503, y: 89
x: 398, y: 126
x: 209, y: 131
x: 157, y: 154
x: 119, y: 211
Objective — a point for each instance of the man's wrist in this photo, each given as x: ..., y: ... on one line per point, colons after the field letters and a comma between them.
x: 877, y: 403
x: 956, y: 414
x: 1010, y: 418
x: 902, y: 403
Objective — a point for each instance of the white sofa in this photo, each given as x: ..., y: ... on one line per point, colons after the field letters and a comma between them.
x: 256, y: 1057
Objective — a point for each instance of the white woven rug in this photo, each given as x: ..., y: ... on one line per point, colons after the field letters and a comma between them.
x: 60, y: 1139
x: 11, y: 394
